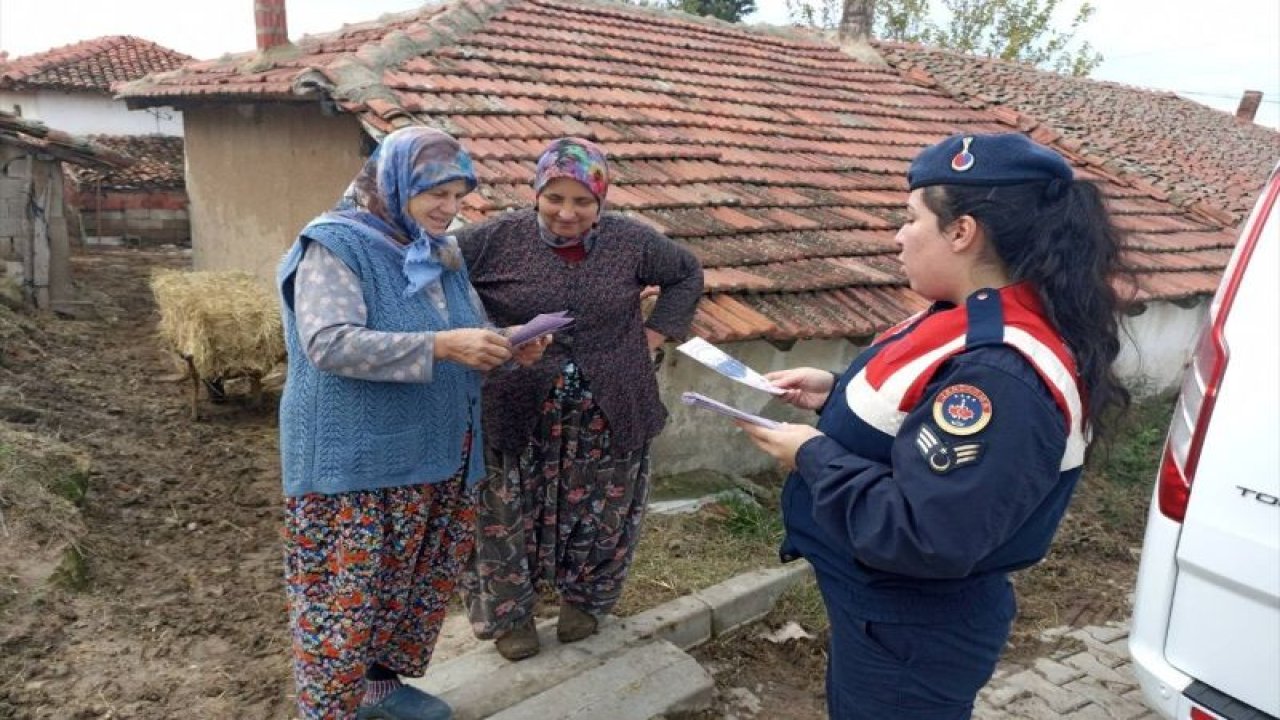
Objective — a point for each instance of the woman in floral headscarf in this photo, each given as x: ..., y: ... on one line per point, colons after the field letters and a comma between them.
x: 379, y: 428
x: 567, y: 439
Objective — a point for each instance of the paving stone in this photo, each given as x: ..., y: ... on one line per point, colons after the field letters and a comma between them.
x: 1087, y: 663
x: 645, y: 681
x: 1106, y: 653
x: 1032, y: 708
x: 1057, y: 673
x: 1000, y: 692
x: 1089, y: 712
x: 1108, y: 633
x: 1058, y: 699
x: 1113, y: 703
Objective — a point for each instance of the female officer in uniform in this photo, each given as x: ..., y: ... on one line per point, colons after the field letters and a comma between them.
x: 945, y: 455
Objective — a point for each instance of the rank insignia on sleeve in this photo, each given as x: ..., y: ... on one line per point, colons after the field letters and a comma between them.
x: 942, y: 457
x: 961, y: 410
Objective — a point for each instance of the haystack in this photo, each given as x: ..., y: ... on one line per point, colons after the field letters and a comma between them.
x: 224, y: 324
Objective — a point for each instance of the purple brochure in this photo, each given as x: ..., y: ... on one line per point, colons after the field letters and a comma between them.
x: 702, y: 401
x: 538, y: 326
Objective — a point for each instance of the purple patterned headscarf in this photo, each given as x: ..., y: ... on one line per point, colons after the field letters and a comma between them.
x: 575, y: 158
x: 580, y: 160
x: 406, y: 163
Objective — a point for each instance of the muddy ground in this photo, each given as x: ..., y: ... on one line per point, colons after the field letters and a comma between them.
x: 179, y: 611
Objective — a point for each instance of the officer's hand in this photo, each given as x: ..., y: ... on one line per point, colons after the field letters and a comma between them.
x: 782, y: 442
x: 807, y: 388
x: 476, y: 348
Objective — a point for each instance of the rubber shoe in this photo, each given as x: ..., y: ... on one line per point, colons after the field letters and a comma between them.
x: 574, y: 624
x: 520, y: 643
x: 407, y: 703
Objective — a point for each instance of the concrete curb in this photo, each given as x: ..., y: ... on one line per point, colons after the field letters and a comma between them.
x: 481, y: 683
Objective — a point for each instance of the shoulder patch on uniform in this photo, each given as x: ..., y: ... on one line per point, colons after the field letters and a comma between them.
x: 961, y: 409
x: 943, y: 457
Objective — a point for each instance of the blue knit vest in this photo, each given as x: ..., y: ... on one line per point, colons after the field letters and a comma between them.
x: 340, y: 434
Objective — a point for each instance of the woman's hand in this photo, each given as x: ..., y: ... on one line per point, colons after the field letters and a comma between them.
x: 530, y: 352
x: 654, y: 339
x: 476, y: 348
x: 781, y: 443
x: 806, y: 388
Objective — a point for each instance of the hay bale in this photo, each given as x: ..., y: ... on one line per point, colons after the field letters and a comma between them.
x: 225, y: 323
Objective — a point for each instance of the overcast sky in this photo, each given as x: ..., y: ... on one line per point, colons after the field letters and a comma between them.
x: 1209, y: 52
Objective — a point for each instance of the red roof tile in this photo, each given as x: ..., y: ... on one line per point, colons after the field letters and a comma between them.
x: 1191, y: 151
x: 778, y: 159
x: 157, y: 165
x: 89, y: 65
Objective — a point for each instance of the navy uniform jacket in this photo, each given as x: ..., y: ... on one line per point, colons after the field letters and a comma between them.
x: 950, y: 452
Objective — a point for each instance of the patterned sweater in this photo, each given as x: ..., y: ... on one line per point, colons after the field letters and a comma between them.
x: 518, y: 276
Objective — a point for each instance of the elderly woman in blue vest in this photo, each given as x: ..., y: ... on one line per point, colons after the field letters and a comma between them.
x: 567, y: 439
x: 380, y: 428
x: 945, y: 455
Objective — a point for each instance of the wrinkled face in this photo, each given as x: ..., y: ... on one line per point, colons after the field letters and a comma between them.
x: 567, y: 207
x: 925, y: 251
x: 435, y: 209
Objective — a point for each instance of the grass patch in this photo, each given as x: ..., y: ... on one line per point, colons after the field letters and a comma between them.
x: 681, y: 554
x: 42, y: 488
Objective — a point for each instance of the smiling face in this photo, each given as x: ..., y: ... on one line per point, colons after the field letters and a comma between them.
x: 926, y: 251
x: 567, y: 207
x: 435, y: 209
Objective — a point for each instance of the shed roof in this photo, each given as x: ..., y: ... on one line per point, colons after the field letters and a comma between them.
x: 92, y: 65
x: 33, y: 136
x: 157, y: 164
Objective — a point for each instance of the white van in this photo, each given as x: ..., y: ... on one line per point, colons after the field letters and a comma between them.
x: 1205, y: 638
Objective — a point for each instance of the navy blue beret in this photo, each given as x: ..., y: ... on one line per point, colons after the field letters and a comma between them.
x: 1001, y: 159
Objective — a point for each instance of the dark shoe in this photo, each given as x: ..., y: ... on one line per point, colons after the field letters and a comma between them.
x: 406, y: 703
x: 574, y: 624
x: 520, y: 643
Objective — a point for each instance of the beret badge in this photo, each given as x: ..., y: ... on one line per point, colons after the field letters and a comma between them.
x: 964, y: 159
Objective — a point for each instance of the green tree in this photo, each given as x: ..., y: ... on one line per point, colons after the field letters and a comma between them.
x: 727, y: 10
x: 1017, y: 30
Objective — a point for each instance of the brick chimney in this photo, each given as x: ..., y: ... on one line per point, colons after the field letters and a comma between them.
x: 1249, y: 103
x: 268, y: 17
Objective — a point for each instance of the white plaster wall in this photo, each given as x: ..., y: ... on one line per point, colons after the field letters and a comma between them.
x: 1157, y: 346
x: 91, y: 114
x: 698, y: 439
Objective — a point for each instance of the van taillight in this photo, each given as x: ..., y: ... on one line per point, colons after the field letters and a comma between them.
x: 1200, y: 384
x: 1198, y: 714
x: 1191, y: 419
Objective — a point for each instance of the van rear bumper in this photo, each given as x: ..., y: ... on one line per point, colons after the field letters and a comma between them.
x: 1162, y: 684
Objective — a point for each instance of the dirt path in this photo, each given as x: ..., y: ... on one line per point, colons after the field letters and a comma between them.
x: 184, y: 615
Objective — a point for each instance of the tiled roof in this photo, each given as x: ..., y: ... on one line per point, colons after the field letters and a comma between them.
x: 779, y: 159
x: 1191, y: 151
x: 89, y: 65
x: 158, y: 164
x: 35, y: 136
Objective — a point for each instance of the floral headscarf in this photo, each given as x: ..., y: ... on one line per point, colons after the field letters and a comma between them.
x: 406, y: 163
x: 580, y: 160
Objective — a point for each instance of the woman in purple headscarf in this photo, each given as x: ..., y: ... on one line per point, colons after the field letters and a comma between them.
x: 567, y: 438
x: 379, y: 428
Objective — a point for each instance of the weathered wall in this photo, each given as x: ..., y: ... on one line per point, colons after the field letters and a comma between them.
x: 158, y: 216
x: 1158, y: 344
x: 698, y: 439
x: 84, y: 113
x: 257, y: 173
x: 34, y: 247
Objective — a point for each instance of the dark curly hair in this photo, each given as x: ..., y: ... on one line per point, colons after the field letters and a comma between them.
x: 1059, y: 236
